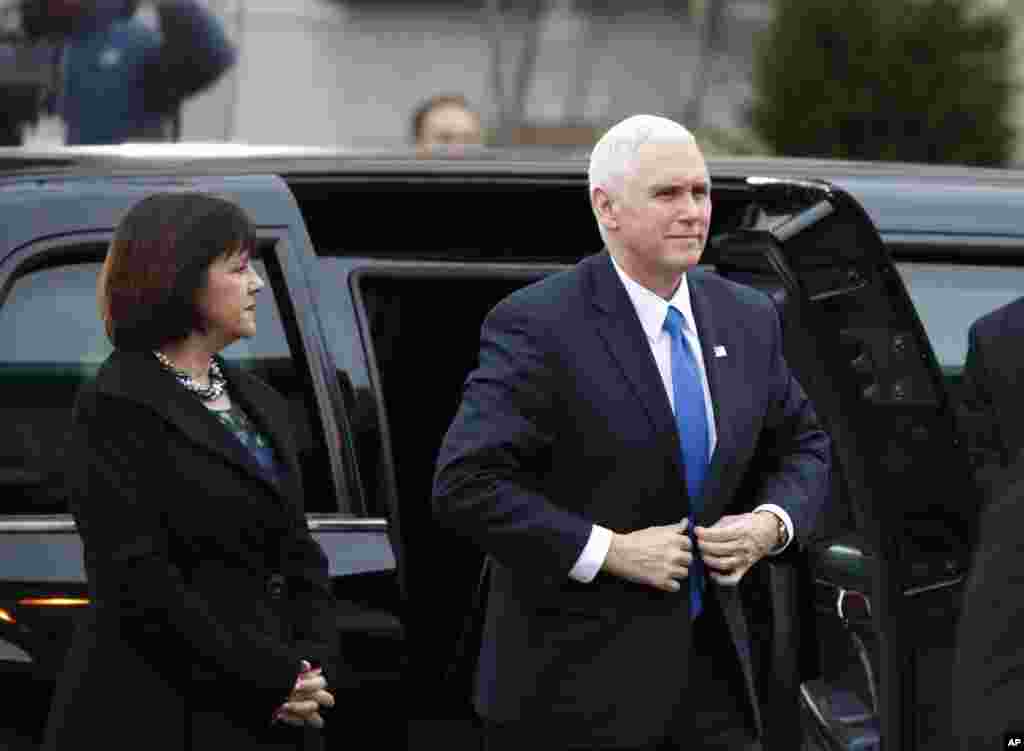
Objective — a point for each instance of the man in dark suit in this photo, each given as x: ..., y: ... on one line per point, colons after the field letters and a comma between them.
x: 992, y: 375
x: 631, y: 443
x: 988, y: 668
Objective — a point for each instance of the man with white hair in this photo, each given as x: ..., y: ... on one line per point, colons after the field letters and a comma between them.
x: 631, y: 443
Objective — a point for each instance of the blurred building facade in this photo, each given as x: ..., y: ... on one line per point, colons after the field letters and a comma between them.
x: 350, y: 72
x: 333, y: 72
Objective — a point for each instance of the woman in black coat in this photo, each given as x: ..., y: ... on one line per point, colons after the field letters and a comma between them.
x: 211, y: 619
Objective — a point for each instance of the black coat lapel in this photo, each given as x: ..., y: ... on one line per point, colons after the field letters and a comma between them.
x: 265, y: 407
x: 139, y: 377
x: 620, y: 328
x: 713, y: 336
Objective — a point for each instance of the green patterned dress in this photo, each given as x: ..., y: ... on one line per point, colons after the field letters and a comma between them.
x: 255, y: 440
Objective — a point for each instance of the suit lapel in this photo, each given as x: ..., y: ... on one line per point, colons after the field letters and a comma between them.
x: 620, y: 328
x: 714, y: 335
x: 139, y: 377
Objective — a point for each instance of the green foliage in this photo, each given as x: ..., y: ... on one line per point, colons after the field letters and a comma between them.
x: 907, y: 80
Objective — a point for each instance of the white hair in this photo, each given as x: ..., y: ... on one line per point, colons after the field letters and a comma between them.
x: 613, y: 154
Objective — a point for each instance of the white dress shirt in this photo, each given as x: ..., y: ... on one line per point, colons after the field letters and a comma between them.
x: 652, y: 311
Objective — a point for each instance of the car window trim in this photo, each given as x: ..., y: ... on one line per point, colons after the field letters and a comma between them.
x: 297, y: 309
x: 961, y: 249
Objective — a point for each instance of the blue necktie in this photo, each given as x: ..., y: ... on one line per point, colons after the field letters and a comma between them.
x: 692, y: 423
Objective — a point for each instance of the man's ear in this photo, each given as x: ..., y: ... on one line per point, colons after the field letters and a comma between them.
x: 604, y: 208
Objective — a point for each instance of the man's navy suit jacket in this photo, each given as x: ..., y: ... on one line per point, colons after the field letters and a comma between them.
x: 993, y: 374
x: 566, y: 423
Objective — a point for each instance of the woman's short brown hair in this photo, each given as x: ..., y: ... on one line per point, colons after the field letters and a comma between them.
x: 157, y: 263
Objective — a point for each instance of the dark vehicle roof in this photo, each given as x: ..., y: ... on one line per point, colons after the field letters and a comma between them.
x: 902, y: 199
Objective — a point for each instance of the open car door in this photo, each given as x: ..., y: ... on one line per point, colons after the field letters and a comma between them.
x: 887, y: 562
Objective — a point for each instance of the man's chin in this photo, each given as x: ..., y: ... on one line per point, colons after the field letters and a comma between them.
x: 683, y: 262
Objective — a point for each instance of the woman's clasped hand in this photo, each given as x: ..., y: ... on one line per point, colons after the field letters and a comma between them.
x: 309, y: 696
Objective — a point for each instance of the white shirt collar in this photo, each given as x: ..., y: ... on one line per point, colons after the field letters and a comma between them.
x: 651, y: 308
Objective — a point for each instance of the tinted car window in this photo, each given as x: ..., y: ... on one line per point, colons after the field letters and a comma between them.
x: 38, y: 325
x: 51, y: 340
x: 950, y: 297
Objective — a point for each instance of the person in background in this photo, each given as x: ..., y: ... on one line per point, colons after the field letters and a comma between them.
x: 445, y: 121
x: 630, y: 445
x: 121, y: 80
x: 987, y: 684
x: 19, y: 104
x: 211, y: 622
x: 26, y: 74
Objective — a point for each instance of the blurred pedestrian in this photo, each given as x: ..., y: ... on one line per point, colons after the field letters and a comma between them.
x: 16, y: 110
x: 26, y: 73
x: 444, y: 121
x: 211, y: 623
x: 121, y: 80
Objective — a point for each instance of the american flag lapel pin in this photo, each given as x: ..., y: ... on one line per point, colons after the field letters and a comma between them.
x: 720, y: 351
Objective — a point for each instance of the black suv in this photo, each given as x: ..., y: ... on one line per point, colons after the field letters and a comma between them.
x: 381, y: 269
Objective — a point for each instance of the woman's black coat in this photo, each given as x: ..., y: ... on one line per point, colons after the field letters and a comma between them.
x: 206, y: 586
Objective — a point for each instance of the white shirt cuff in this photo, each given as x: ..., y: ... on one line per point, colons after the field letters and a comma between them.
x: 593, y: 555
x: 781, y: 513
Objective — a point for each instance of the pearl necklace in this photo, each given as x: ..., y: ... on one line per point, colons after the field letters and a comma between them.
x: 206, y: 393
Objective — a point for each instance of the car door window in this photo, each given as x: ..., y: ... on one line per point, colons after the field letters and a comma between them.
x: 52, y: 340
x: 950, y: 297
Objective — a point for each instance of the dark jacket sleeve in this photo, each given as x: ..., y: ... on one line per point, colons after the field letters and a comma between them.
x: 485, y: 486
x: 122, y: 522
x: 195, y: 52
x: 794, y: 455
x: 313, y: 605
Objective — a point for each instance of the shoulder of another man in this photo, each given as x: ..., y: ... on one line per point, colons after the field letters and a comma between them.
x: 992, y: 321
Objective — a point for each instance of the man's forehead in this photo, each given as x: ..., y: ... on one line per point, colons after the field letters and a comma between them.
x: 671, y: 162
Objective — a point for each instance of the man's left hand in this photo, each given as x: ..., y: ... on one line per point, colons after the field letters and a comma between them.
x: 734, y: 543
